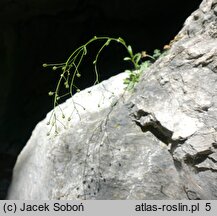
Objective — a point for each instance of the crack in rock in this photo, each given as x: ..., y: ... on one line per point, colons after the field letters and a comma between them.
x: 202, y: 157
x: 148, y: 122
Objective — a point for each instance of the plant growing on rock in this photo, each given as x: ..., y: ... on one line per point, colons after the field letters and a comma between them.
x: 134, y: 75
x: 70, y: 72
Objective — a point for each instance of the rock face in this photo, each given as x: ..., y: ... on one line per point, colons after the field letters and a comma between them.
x: 159, y: 142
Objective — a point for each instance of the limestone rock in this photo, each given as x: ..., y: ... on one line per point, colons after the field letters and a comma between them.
x: 157, y: 143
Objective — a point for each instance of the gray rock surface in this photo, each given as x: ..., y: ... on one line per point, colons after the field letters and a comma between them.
x: 160, y: 142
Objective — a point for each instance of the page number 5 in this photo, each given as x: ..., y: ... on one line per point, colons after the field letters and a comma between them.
x: 208, y: 207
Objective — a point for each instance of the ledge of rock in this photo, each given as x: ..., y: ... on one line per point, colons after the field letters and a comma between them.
x: 159, y: 142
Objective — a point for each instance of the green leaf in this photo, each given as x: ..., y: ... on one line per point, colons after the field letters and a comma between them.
x: 129, y: 48
x: 130, y: 86
x: 137, y: 57
x: 126, y: 81
x: 157, y: 53
x: 127, y: 59
x: 145, y: 65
